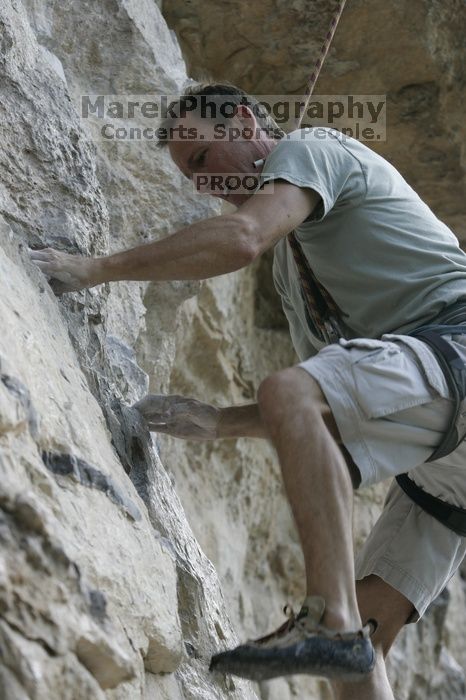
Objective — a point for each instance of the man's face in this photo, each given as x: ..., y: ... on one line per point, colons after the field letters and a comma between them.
x: 213, y: 153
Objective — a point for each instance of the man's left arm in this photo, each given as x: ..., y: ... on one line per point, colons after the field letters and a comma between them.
x: 204, y: 249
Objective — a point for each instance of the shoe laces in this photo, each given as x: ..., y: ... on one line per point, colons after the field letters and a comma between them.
x: 309, y: 619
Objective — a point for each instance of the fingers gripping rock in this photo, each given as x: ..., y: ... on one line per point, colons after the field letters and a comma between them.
x: 70, y: 273
x: 180, y: 416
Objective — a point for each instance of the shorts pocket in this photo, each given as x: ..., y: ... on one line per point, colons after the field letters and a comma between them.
x: 364, y: 344
x: 388, y: 380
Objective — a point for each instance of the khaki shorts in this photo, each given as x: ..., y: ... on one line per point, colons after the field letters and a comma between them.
x: 391, y: 404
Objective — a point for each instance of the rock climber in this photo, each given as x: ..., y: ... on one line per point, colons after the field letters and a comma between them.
x: 365, y: 407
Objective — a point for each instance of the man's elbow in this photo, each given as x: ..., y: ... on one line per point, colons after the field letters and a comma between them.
x: 247, y: 253
x: 248, y: 248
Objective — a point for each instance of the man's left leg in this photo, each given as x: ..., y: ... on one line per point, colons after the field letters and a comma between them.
x: 380, y: 601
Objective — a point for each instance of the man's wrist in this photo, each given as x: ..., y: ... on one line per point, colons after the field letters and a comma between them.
x: 225, y: 424
x: 240, y: 421
x: 101, y: 270
x: 125, y: 265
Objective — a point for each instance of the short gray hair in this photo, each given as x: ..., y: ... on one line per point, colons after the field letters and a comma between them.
x: 220, y: 96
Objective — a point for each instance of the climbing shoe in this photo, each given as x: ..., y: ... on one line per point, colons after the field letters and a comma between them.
x: 302, y: 645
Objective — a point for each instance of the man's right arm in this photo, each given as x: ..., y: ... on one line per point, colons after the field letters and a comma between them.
x: 202, y: 250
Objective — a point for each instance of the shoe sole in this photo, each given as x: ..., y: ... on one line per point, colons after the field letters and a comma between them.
x: 317, y: 656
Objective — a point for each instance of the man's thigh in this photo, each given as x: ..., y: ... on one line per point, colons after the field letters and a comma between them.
x: 389, y: 413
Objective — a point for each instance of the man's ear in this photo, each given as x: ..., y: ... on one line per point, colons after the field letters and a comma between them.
x: 245, y: 114
x: 248, y: 121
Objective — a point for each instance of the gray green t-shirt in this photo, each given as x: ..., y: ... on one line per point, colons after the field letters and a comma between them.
x: 382, y: 254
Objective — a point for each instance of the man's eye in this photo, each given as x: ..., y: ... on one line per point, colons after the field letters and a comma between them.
x: 201, y: 159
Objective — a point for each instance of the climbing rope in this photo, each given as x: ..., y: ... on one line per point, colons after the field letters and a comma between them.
x: 324, y: 313
x: 319, y: 63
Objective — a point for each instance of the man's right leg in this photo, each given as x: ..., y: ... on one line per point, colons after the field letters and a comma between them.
x: 380, y: 601
x: 319, y: 489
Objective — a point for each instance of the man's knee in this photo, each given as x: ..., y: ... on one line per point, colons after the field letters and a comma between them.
x: 379, y: 601
x: 290, y: 383
x: 291, y: 393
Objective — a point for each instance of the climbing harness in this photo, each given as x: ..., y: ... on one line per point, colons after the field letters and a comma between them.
x: 453, y: 517
x: 454, y: 369
x: 326, y: 319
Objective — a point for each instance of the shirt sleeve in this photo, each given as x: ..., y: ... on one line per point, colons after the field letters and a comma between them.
x: 301, y: 343
x: 316, y: 158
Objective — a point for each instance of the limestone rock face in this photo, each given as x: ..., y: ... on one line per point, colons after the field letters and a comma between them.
x: 125, y: 561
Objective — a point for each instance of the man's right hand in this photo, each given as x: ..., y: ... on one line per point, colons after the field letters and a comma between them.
x: 180, y: 416
x: 68, y: 273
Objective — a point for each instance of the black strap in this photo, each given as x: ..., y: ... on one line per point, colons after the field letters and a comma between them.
x: 452, y: 516
x: 454, y: 370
